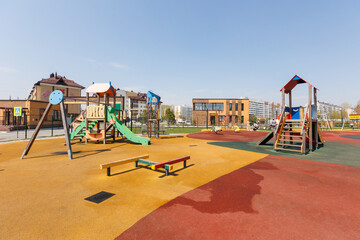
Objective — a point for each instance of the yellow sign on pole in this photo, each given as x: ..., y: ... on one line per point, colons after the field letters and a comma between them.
x: 17, y: 111
x: 354, y: 116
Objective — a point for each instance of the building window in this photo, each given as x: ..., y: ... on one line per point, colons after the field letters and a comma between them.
x: 230, y: 106
x: 56, y: 115
x: 230, y: 118
x: 199, y: 106
x: 242, y: 107
x: 236, y: 106
x: 218, y: 106
x: 242, y: 119
x: 208, y: 106
x: 221, y: 118
x: 236, y: 119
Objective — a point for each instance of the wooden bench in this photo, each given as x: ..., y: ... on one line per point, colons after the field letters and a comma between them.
x: 121, y: 162
x: 142, y: 159
x: 169, y: 163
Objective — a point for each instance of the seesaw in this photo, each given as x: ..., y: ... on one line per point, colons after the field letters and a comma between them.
x: 168, y: 165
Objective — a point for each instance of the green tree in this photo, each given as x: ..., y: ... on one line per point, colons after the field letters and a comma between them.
x: 144, y: 116
x: 170, y: 116
x: 163, y: 109
x: 357, y: 108
x: 252, y: 119
x: 335, y: 115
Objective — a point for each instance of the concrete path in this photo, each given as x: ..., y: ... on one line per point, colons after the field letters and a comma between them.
x: 20, y: 135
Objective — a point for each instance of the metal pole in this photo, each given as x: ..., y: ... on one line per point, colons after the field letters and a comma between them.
x: 207, y: 118
x: 37, y: 129
x: 67, y: 138
x: 25, y: 122
x: 131, y: 120
x: 52, y: 125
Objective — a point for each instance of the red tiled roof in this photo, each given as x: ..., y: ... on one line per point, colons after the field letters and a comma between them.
x: 140, y: 97
x: 59, y: 80
x: 293, y: 82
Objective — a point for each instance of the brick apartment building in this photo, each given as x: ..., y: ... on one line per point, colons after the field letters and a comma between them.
x: 220, y: 111
x: 35, y: 105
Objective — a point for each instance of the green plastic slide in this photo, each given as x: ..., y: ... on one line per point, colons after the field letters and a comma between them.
x: 124, y: 130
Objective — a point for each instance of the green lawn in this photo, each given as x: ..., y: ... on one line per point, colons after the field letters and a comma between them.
x: 172, y: 130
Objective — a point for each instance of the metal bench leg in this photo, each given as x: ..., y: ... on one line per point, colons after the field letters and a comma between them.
x: 136, y: 163
x: 166, y: 172
x: 108, y: 171
x: 184, y: 164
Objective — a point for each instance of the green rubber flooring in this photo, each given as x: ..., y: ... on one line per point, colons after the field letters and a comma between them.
x: 338, y: 153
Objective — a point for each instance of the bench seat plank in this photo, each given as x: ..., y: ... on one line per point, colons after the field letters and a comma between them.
x: 124, y: 161
x: 161, y: 165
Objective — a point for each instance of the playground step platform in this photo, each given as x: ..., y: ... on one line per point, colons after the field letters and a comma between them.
x: 288, y: 149
x: 293, y: 120
x: 288, y: 131
x: 288, y: 140
x: 289, y: 145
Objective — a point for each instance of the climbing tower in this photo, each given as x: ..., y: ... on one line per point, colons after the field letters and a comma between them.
x: 298, y: 127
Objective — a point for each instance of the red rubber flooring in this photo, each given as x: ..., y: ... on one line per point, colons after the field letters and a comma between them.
x: 336, y: 137
x: 231, y: 136
x: 274, y: 198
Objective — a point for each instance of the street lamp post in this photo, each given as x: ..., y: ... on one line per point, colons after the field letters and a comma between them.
x: 207, y: 117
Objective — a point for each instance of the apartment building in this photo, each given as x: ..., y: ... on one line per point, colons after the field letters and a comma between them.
x: 183, y: 112
x: 134, y: 102
x: 324, y: 109
x: 264, y: 110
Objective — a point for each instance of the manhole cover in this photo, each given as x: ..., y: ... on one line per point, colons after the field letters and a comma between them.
x: 99, y: 197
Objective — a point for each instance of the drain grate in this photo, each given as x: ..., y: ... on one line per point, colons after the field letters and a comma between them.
x: 99, y: 197
x: 192, y: 145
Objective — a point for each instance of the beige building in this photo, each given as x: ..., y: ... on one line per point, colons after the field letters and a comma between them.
x: 43, y: 88
x: 35, y: 105
x: 220, y: 111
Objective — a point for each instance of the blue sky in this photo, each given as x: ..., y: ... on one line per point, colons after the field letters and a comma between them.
x: 184, y: 49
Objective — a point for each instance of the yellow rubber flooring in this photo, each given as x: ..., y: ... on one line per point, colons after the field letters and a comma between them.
x: 42, y: 195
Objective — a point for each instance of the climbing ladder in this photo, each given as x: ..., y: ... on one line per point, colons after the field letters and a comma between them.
x: 288, y: 139
x: 78, y: 126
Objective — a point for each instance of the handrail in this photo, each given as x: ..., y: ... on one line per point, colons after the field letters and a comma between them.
x: 306, y: 112
x: 280, y: 121
x: 81, y: 113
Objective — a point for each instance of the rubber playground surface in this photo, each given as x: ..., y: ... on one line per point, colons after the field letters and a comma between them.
x: 231, y: 189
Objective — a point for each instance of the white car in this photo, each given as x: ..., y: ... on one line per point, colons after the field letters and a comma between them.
x: 181, y: 121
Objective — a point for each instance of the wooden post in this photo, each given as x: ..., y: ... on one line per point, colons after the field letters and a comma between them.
x: 37, y: 129
x: 316, y: 129
x: 66, y: 130
x: 310, y: 120
x: 86, y: 119
x: 290, y: 112
x: 290, y: 103
x: 114, y: 129
x: 283, y: 98
x: 105, y: 103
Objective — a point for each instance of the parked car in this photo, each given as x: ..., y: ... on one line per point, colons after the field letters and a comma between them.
x: 188, y: 122
x: 180, y: 121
